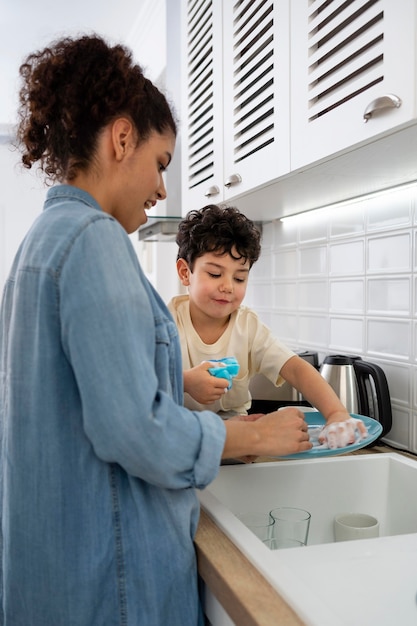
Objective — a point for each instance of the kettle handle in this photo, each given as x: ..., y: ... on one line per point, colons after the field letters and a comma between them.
x: 364, y: 370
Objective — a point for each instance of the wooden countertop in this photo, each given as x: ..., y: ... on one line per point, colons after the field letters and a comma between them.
x: 243, y: 592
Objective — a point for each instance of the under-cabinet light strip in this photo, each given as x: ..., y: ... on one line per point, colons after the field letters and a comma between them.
x: 345, y: 203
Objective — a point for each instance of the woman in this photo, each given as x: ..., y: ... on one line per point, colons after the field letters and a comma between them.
x: 99, y: 458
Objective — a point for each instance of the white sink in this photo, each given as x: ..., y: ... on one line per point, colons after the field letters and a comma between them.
x: 366, y: 582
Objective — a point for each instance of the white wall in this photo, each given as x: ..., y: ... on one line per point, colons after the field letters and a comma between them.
x: 345, y: 281
x: 21, y: 201
x: 23, y: 193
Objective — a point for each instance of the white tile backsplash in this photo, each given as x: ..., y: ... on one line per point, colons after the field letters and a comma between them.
x: 287, y: 325
x: 313, y: 230
x: 313, y: 261
x: 313, y: 295
x: 390, y: 253
x: 347, y: 296
x: 284, y: 295
x: 347, y: 258
x: 389, y: 296
x: 389, y: 337
x: 313, y: 330
x: 346, y: 334
x: 400, y: 434
x: 345, y: 280
x: 400, y: 382
x: 285, y: 264
x: 348, y: 222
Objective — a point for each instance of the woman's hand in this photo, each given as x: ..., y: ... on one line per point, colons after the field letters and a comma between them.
x: 252, y: 417
x: 274, y: 434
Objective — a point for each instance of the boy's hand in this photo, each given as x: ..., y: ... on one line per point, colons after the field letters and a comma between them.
x: 202, y: 386
x: 339, y: 434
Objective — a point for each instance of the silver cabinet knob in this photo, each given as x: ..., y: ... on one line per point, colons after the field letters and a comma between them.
x: 212, y: 191
x: 234, y: 179
x: 390, y: 101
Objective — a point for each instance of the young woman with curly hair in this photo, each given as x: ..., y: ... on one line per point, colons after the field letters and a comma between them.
x: 99, y: 458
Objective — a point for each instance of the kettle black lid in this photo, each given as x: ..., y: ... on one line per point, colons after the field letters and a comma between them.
x: 341, y: 359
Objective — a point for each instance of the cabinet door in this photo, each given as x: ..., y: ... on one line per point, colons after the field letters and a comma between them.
x: 202, y: 104
x: 349, y: 58
x: 256, y: 93
x: 235, y: 115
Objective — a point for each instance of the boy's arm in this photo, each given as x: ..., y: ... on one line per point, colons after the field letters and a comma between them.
x: 308, y: 381
x: 341, y: 428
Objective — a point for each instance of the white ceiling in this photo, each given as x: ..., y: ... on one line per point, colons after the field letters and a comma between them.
x: 28, y: 25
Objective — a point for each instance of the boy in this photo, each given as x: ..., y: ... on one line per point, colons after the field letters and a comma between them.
x: 217, y: 248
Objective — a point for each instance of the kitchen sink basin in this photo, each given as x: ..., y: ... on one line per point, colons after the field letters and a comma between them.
x: 368, y: 581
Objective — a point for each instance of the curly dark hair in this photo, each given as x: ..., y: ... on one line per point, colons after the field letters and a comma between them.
x: 220, y: 230
x: 71, y: 90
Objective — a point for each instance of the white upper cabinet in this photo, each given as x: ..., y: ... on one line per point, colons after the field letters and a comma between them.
x: 236, y: 98
x: 352, y: 73
x: 287, y: 105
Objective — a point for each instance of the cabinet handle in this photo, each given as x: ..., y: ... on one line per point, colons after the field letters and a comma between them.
x: 212, y: 191
x: 234, y: 179
x: 390, y: 101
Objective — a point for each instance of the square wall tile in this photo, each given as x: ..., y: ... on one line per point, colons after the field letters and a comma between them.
x: 400, y: 434
x: 313, y: 295
x: 285, y: 264
x: 389, y: 337
x: 285, y: 327
x: 313, y: 261
x: 347, y: 296
x: 313, y: 227
x: 389, y: 296
x: 347, y: 258
x: 399, y: 378
x: 346, y: 334
x: 284, y: 295
x: 313, y: 330
x: 390, y: 253
x: 263, y: 266
x: 265, y: 317
x: 260, y: 295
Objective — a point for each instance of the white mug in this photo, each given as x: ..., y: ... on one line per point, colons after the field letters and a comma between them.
x: 348, y: 526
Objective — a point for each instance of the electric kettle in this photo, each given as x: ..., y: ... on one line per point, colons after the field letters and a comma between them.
x: 361, y: 386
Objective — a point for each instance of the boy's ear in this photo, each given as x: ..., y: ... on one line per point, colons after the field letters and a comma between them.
x: 183, y: 272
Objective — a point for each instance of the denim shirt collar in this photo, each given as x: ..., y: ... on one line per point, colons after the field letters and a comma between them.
x: 70, y: 192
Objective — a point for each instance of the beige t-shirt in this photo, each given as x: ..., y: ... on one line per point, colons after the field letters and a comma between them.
x: 247, y: 339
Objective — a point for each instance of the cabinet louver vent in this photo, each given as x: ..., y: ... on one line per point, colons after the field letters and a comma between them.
x: 200, y: 89
x: 345, y: 53
x: 253, y: 68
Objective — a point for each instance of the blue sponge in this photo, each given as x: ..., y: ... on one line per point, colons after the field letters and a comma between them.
x: 226, y: 368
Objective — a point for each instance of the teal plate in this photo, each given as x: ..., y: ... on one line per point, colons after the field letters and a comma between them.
x: 316, y: 421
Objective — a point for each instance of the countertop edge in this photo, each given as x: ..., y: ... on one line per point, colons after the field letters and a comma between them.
x: 247, y: 598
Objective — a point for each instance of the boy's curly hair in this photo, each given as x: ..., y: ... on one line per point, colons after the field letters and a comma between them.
x: 220, y: 230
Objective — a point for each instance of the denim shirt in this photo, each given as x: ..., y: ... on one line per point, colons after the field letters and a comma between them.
x: 99, y: 459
